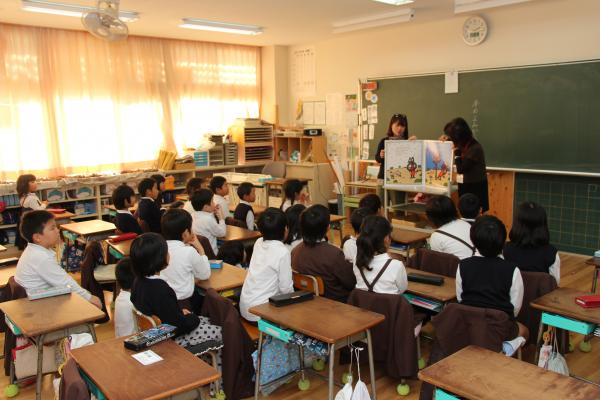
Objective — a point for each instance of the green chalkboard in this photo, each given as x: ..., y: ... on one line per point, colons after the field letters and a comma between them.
x: 538, y: 118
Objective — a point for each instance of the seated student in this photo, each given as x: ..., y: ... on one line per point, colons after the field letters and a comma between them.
x: 187, y: 260
x: 220, y: 188
x: 356, y: 220
x: 244, y: 212
x: 294, y: 235
x: 294, y: 193
x: 124, y: 323
x: 160, y: 182
x: 204, y: 221
x: 469, y: 207
x: 153, y: 296
x: 372, y: 202
x: 123, y: 198
x: 270, y: 272
x: 37, y: 267
x: 529, y: 245
x: 374, y: 269
x: 192, y: 185
x: 232, y: 253
x: 487, y: 280
x: 315, y: 256
x: 452, y: 235
x: 148, y: 208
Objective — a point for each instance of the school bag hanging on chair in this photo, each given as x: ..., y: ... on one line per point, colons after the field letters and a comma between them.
x: 360, y: 390
x: 346, y: 392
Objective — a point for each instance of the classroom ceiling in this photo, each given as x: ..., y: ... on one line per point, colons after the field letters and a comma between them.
x: 285, y: 22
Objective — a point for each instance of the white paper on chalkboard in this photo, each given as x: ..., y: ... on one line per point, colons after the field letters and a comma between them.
x: 363, y: 115
x: 372, y: 113
x: 365, y: 132
x: 371, y: 132
x: 365, y: 151
x: 451, y: 82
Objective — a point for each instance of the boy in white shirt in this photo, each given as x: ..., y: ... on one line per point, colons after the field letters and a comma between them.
x: 37, y: 268
x: 187, y: 260
x: 124, y: 323
x: 270, y: 271
x: 220, y: 188
x: 452, y: 235
x: 192, y: 185
x: 356, y: 221
x: 208, y: 218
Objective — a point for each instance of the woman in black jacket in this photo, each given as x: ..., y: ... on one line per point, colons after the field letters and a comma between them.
x: 397, y: 129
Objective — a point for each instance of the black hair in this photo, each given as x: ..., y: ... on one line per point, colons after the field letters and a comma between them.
x: 193, y: 184
x: 459, y: 132
x: 292, y: 216
x: 145, y: 185
x: 371, y: 240
x: 121, y: 194
x: 469, y: 206
x: 231, y: 252
x: 23, y: 184
x: 174, y: 222
x: 530, y: 226
x: 272, y: 223
x: 291, y: 188
x: 314, y: 222
x: 124, y: 273
x: 488, y: 234
x: 371, y: 201
x: 158, y: 178
x: 440, y: 210
x: 402, y: 120
x: 148, y: 254
x: 244, y: 189
x: 217, y: 182
x: 358, y: 216
x: 201, y: 198
x: 33, y: 222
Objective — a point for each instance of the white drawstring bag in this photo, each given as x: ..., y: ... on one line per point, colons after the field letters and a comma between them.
x: 346, y: 392
x: 360, y: 390
x: 557, y: 362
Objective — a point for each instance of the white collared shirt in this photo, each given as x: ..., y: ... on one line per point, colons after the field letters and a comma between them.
x: 185, y: 265
x: 393, y: 280
x: 124, y: 324
x: 124, y: 212
x: 38, y: 269
x: 249, y: 217
x: 224, y: 203
x: 187, y: 206
x: 446, y: 244
x: 32, y: 201
x: 269, y: 274
x: 350, y: 249
x: 148, y: 198
x: 205, y: 224
x: 293, y: 245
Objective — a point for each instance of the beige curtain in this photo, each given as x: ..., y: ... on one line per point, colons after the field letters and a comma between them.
x: 71, y: 103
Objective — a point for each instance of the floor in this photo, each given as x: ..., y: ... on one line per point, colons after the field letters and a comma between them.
x: 574, y: 273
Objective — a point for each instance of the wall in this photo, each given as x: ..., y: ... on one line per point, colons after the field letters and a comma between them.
x: 542, y: 31
x: 275, y: 83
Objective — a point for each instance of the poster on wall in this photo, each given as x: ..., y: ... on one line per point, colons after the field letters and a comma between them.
x: 418, y: 166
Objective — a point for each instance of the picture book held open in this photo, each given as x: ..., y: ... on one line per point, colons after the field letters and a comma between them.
x: 418, y: 165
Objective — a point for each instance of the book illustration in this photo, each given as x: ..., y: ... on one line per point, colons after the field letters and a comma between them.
x: 438, y: 159
x: 404, y: 163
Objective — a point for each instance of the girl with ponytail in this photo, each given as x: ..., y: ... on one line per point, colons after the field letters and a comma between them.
x: 375, y: 270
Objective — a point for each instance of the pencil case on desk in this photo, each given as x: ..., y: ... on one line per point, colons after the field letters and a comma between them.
x: 291, y: 298
x: 216, y: 264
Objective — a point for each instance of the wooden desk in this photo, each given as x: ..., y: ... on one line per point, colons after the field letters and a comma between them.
x: 596, y: 263
x: 2, y: 248
x: 5, y: 273
x: 54, y: 315
x: 279, y: 182
x: 89, y: 228
x: 338, y: 221
x: 182, y: 197
x: 355, y: 190
x: 409, y: 238
x: 476, y: 373
x: 119, y: 376
x: 237, y: 234
x: 332, y: 322
x: 444, y: 293
x: 120, y: 249
x: 224, y: 280
x: 63, y: 215
x: 112, y: 210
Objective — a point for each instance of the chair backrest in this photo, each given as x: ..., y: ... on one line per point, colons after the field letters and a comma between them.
x: 235, y: 222
x: 275, y: 169
x: 143, y: 322
x: 144, y: 225
x: 435, y: 262
x: 208, y: 250
x: 309, y: 283
x: 535, y: 285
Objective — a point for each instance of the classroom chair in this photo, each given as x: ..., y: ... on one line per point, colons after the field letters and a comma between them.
x: 72, y: 386
x: 309, y: 283
x: 14, y: 291
x: 275, y: 168
x: 92, y: 260
x: 207, y: 247
x: 143, y: 225
x: 435, y: 262
x: 396, y: 339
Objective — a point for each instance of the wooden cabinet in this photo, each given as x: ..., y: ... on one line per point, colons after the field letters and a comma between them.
x: 311, y: 148
x: 321, y: 179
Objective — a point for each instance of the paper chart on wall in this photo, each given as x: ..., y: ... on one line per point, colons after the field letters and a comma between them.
x: 303, y: 71
x: 308, y: 113
x: 320, y: 112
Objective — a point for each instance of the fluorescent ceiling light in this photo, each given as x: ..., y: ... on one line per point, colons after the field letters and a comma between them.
x: 69, y: 10
x: 396, y: 2
x: 372, y: 21
x: 462, y: 6
x: 204, y: 25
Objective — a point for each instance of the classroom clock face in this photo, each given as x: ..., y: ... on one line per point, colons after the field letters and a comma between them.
x: 475, y: 30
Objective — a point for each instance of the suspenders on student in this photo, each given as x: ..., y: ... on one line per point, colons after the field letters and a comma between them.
x: 472, y: 248
x: 371, y: 285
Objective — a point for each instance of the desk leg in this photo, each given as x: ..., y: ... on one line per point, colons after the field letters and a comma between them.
x: 595, y: 279
x: 341, y: 232
x: 538, y: 343
x: 39, y: 342
x: 258, y: 362
x: 92, y: 331
x: 331, y: 365
x: 371, y: 364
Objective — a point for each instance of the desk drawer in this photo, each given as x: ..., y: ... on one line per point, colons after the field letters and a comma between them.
x: 569, y: 324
